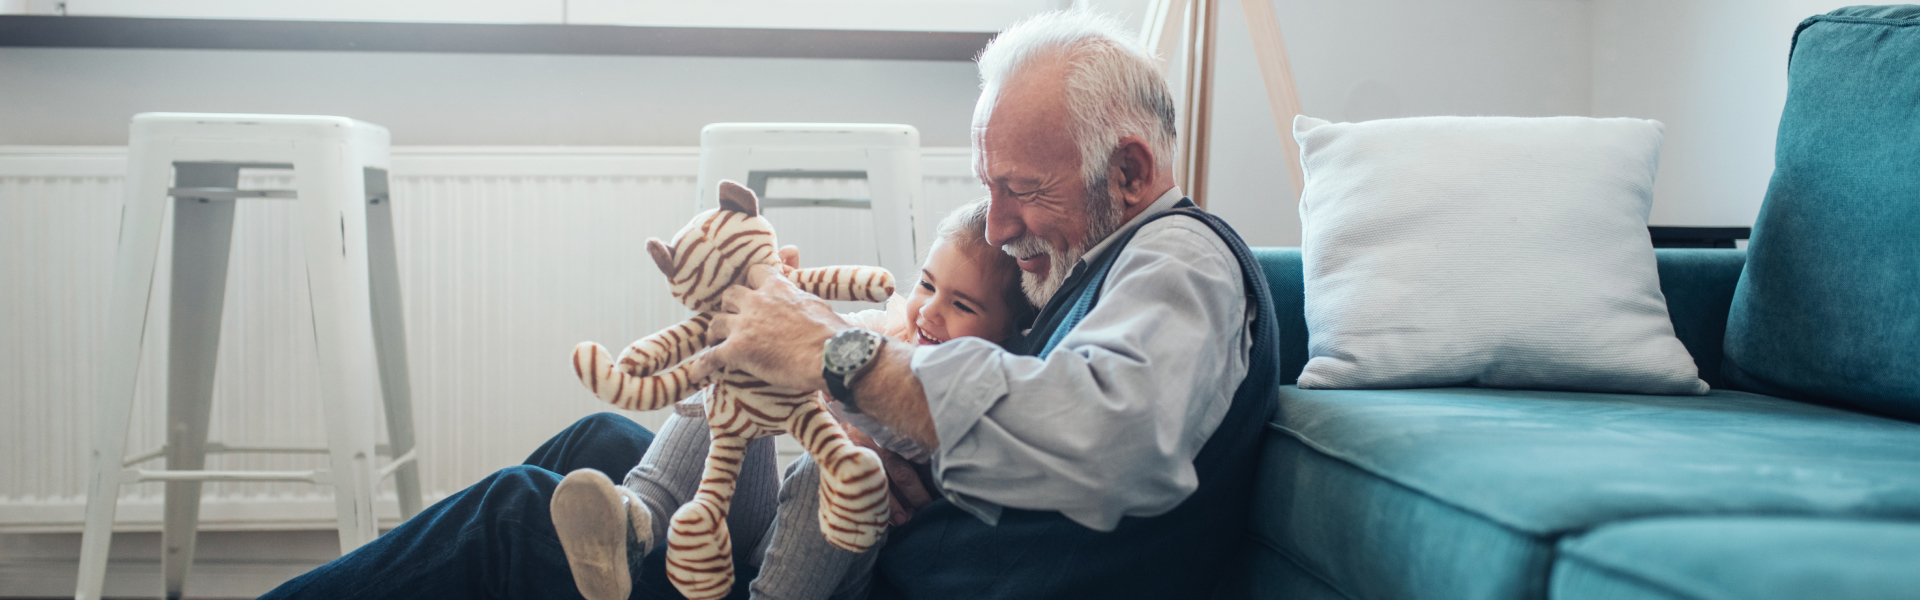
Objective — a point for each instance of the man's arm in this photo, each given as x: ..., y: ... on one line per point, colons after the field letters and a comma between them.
x: 1107, y: 424
x: 890, y: 394
x: 1104, y: 427
x: 777, y: 332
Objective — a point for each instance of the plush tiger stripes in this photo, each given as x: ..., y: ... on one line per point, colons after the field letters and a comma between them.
x: 709, y: 255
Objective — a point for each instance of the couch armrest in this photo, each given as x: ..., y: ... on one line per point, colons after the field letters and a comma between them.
x: 1698, y: 284
x: 1288, y: 283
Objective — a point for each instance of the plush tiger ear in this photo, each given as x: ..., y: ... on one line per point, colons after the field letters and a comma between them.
x: 738, y: 198
x: 662, y: 255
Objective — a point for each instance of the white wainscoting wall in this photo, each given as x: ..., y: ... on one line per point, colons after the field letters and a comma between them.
x: 508, y: 257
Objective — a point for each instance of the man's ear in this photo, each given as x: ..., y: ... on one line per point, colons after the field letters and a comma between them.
x: 1133, y: 170
x: 738, y: 198
x: 662, y: 255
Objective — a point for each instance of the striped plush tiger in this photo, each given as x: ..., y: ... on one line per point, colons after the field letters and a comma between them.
x: 711, y: 254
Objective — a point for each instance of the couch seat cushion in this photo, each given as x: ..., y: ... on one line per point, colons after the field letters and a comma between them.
x: 1462, y: 492
x: 1741, y: 559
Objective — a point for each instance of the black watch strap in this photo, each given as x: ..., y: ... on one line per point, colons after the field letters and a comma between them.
x: 837, y: 387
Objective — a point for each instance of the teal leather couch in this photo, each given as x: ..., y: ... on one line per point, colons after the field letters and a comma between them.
x: 1810, y: 490
x: 1481, y: 494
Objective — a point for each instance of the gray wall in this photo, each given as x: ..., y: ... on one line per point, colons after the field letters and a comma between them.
x: 84, y: 96
x: 1355, y: 60
x: 1712, y: 70
x: 1715, y: 71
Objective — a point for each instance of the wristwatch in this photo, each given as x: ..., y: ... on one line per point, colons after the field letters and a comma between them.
x: 846, y: 357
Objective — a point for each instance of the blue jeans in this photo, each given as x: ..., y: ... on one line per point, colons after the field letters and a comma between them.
x: 494, y: 539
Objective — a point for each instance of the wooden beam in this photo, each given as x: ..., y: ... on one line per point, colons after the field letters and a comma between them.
x: 1202, y: 25
x: 1163, y: 17
x: 1276, y: 71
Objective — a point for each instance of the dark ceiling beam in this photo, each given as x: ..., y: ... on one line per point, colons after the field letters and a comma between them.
x: 39, y: 31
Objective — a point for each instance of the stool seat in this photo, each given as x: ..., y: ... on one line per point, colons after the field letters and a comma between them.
x: 190, y: 164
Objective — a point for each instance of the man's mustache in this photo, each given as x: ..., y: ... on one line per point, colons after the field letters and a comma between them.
x: 1027, y: 246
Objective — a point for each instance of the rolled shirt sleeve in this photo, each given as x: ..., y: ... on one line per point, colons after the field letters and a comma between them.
x: 1108, y: 424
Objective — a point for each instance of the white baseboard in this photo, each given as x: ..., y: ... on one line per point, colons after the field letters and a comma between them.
x: 217, y: 513
x: 229, y: 565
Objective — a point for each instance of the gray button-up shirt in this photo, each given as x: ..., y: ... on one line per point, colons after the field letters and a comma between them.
x: 1108, y: 424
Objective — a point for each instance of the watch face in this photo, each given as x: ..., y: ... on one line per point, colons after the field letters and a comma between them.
x: 847, y: 351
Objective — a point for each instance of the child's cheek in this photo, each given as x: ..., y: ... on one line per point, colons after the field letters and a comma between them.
x: 913, y: 311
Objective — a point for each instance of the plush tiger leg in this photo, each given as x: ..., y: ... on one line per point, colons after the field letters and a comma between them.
x: 699, y: 547
x: 846, y: 283
x: 634, y: 382
x: 853, y: 486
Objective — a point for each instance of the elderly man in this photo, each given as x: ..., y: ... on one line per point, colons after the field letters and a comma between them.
x: 1110, y: 452
x: 1109, y: 455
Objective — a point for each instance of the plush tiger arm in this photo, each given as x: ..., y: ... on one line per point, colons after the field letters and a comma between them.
x: 849, y: 283
x: 667, y: 347
x: 636, y: 381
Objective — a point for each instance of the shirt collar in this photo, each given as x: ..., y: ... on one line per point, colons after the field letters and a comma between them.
x: 1163, y: 204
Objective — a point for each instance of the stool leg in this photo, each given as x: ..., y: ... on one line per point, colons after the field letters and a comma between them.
x: 390, y: 339
x: 895, y: 186
x: 334, y: 236
x: 202, y: 237
x: 119, y: 357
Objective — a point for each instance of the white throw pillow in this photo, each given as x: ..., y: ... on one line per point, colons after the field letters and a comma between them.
x: 1488, y: 251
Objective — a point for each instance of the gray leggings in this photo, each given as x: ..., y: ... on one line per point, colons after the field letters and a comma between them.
x: 776, y: 517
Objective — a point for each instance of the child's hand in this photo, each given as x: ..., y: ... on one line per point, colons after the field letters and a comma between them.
x: 906, y: 492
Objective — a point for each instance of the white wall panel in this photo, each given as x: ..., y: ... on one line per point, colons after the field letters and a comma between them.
x: 508, y: 257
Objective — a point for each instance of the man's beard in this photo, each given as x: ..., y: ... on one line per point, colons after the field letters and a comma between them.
x: 1103, y: 218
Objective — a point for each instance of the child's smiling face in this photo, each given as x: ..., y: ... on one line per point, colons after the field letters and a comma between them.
x: 958, y: 296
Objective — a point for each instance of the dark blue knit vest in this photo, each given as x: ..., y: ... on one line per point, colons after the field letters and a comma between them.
x: 945, y: 552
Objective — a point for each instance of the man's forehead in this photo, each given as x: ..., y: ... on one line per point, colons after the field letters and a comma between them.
x: 1026, y: 115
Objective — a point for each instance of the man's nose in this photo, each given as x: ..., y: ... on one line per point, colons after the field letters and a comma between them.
x: 1003, y: 222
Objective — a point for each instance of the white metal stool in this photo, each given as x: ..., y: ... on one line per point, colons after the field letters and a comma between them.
x: 886, y: 156
x: 193, y: 162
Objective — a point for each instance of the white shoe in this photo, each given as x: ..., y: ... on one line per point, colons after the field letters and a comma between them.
x: 601, y: 526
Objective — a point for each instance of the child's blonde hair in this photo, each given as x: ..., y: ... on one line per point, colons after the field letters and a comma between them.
x: 966, y: 228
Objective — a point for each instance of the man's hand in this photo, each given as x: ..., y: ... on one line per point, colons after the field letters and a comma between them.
x: 773, y: 330
x: 906, y: 490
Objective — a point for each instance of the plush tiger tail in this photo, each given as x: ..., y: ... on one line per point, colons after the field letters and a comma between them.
x: 846, y: 283
x: 853, y: 485
x: 636, y: 381
x: 699, y: 547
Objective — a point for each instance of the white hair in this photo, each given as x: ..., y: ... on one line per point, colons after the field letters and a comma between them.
x: 1114, y: 86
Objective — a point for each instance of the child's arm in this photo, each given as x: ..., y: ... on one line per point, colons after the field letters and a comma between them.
x: 890, y: 321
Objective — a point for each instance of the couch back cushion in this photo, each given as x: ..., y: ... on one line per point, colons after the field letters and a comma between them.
x: 1698, y: 284
x: 1828, y: 309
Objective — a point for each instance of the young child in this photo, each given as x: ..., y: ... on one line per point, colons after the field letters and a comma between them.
x: 967, y: 288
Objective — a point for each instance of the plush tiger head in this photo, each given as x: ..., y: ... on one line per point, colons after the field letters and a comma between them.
x: 714, y: 251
